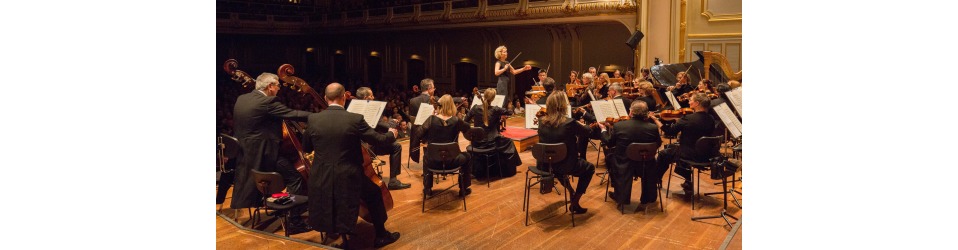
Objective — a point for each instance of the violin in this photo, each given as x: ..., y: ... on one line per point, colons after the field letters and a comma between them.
x: 675, y: 114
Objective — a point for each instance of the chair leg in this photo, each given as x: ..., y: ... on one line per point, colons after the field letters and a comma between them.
x: 607, y: 190
x: 525, y: 198
x: 661, y: 202
x: 669, y: 185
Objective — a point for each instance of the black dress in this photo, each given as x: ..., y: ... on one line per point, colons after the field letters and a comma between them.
x: 502, y: 86
x: 508, y: 155
x: 568, y: 132
x: 435, y: 130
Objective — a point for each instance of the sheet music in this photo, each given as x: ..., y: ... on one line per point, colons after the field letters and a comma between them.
x: 620, y: 108
x: 731, y: 122
x: 532, y: 122
x: 425, y: 111
x: 371, y: 110
x: 603, y: 109
x: 735, y: 97
x: 675, y: 102
x: 498, y: 101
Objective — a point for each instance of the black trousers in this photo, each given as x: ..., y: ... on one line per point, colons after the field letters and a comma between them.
x: 582, y: 170
x: 464, y: 177
x: 669, y: 155
x: 395, y: 158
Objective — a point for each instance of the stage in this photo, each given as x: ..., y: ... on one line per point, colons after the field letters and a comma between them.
x: 495, y: 218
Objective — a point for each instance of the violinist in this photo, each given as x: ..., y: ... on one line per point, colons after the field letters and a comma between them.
x: 582, y: 97
x: 601, y: 86
x: 542, y: 75
x: 629, y: 78
x: 488, y: 117
x: 646, y: 75
x: 445, y: 127
x: 615, y: 92
x: 638, y: 129
x: 555, y: 127
x: 704, y: 86
x: 394, y: 150
x: 573, y: 79
x: 645, y: 94
x: 549, y: 85
x: 681, y: 87
x: 617, y: 74
x: 258, y: 120
x: 427, y: 87
x: 691, y: 127
x: 337, y: 182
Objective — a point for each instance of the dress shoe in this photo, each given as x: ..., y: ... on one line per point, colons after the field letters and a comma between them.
x: 465, y: 192
x: 396, y: 185
x: 386, y: 240
x: 298, y: 229
x: 687, y: 187
x: 578, y: 209
x: 612, y: 194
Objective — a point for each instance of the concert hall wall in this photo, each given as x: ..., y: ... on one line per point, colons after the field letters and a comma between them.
x: 344, y: 57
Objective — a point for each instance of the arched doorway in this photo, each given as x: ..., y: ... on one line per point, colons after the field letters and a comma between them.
x: 374, y: 72
x: 415, y: 72
x: 467, y: 77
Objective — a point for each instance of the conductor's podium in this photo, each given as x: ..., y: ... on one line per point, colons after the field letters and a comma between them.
x: 523, y: 138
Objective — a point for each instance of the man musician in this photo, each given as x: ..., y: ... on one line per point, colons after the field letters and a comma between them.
x: 337, y: 183
x: 393, y: 150
x: 692, y: 127
x: 638, y: 129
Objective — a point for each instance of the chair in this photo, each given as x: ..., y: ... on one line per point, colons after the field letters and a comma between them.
x: 483, y: 155
x: 548, y: 153
x: 269, y: 183
x: 642, y: 153
x: 227, y: 148
x: 444, y: 153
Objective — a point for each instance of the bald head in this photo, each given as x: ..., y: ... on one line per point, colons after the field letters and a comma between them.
x: 334, y: 92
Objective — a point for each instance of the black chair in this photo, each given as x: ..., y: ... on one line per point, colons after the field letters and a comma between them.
x: 548, y: 153
x: 228, y: 152
x: 269, y: 183
x: 488, y: 156
x: 643, y: 154
x: 444, y: 153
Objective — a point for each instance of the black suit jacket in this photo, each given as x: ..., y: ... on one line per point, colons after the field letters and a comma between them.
x: 258, y: 123
x: 692, y: 126
x: 337, y: 170
x: 627, y: 132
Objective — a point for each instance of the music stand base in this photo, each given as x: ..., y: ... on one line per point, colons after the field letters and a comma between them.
x: 724, y: 215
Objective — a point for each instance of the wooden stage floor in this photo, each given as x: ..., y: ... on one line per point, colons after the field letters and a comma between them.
x: 495, y: 218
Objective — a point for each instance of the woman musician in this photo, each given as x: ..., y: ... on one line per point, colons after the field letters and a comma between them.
x: 681, y: 87
x: 555, y: 127
x: 444, y: 127
x: 488, y: 117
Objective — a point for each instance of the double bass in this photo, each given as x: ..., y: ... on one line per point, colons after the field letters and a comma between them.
x: 286, y: 75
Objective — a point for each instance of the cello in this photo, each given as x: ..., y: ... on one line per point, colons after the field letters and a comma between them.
x: 286, y: 75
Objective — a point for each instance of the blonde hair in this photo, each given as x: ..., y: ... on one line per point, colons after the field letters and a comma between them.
x: 555, y: 109
x: 499, y: 50
x: 446, y: 106
x: 487, y: 98
x: 646, y: 87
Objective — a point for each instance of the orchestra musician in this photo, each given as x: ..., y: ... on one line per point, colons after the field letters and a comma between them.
x: 445, y: 127
x: 542, y: 76
x: 428, y: 88
x: 583, y: 98
x: 615, y: 92
x: 573, y: 79
x: 617, y: 74
x: 692, y: 127
x: 645, y: 94
x: 593, y: 71
x: 629, y: 78
x: 555, y: 127
x: 258, y: 117
x: 394, y: 150
x: 337, y: 182
x: 549, y: 85
x: 638, y: 129
x: 646, y: 75
x: 504, y: 71
x: 489, y: 118
x: 681, y: 87
x: 601, y: 86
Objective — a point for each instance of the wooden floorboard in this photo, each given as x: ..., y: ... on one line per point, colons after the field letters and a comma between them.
x: 495, y: 218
